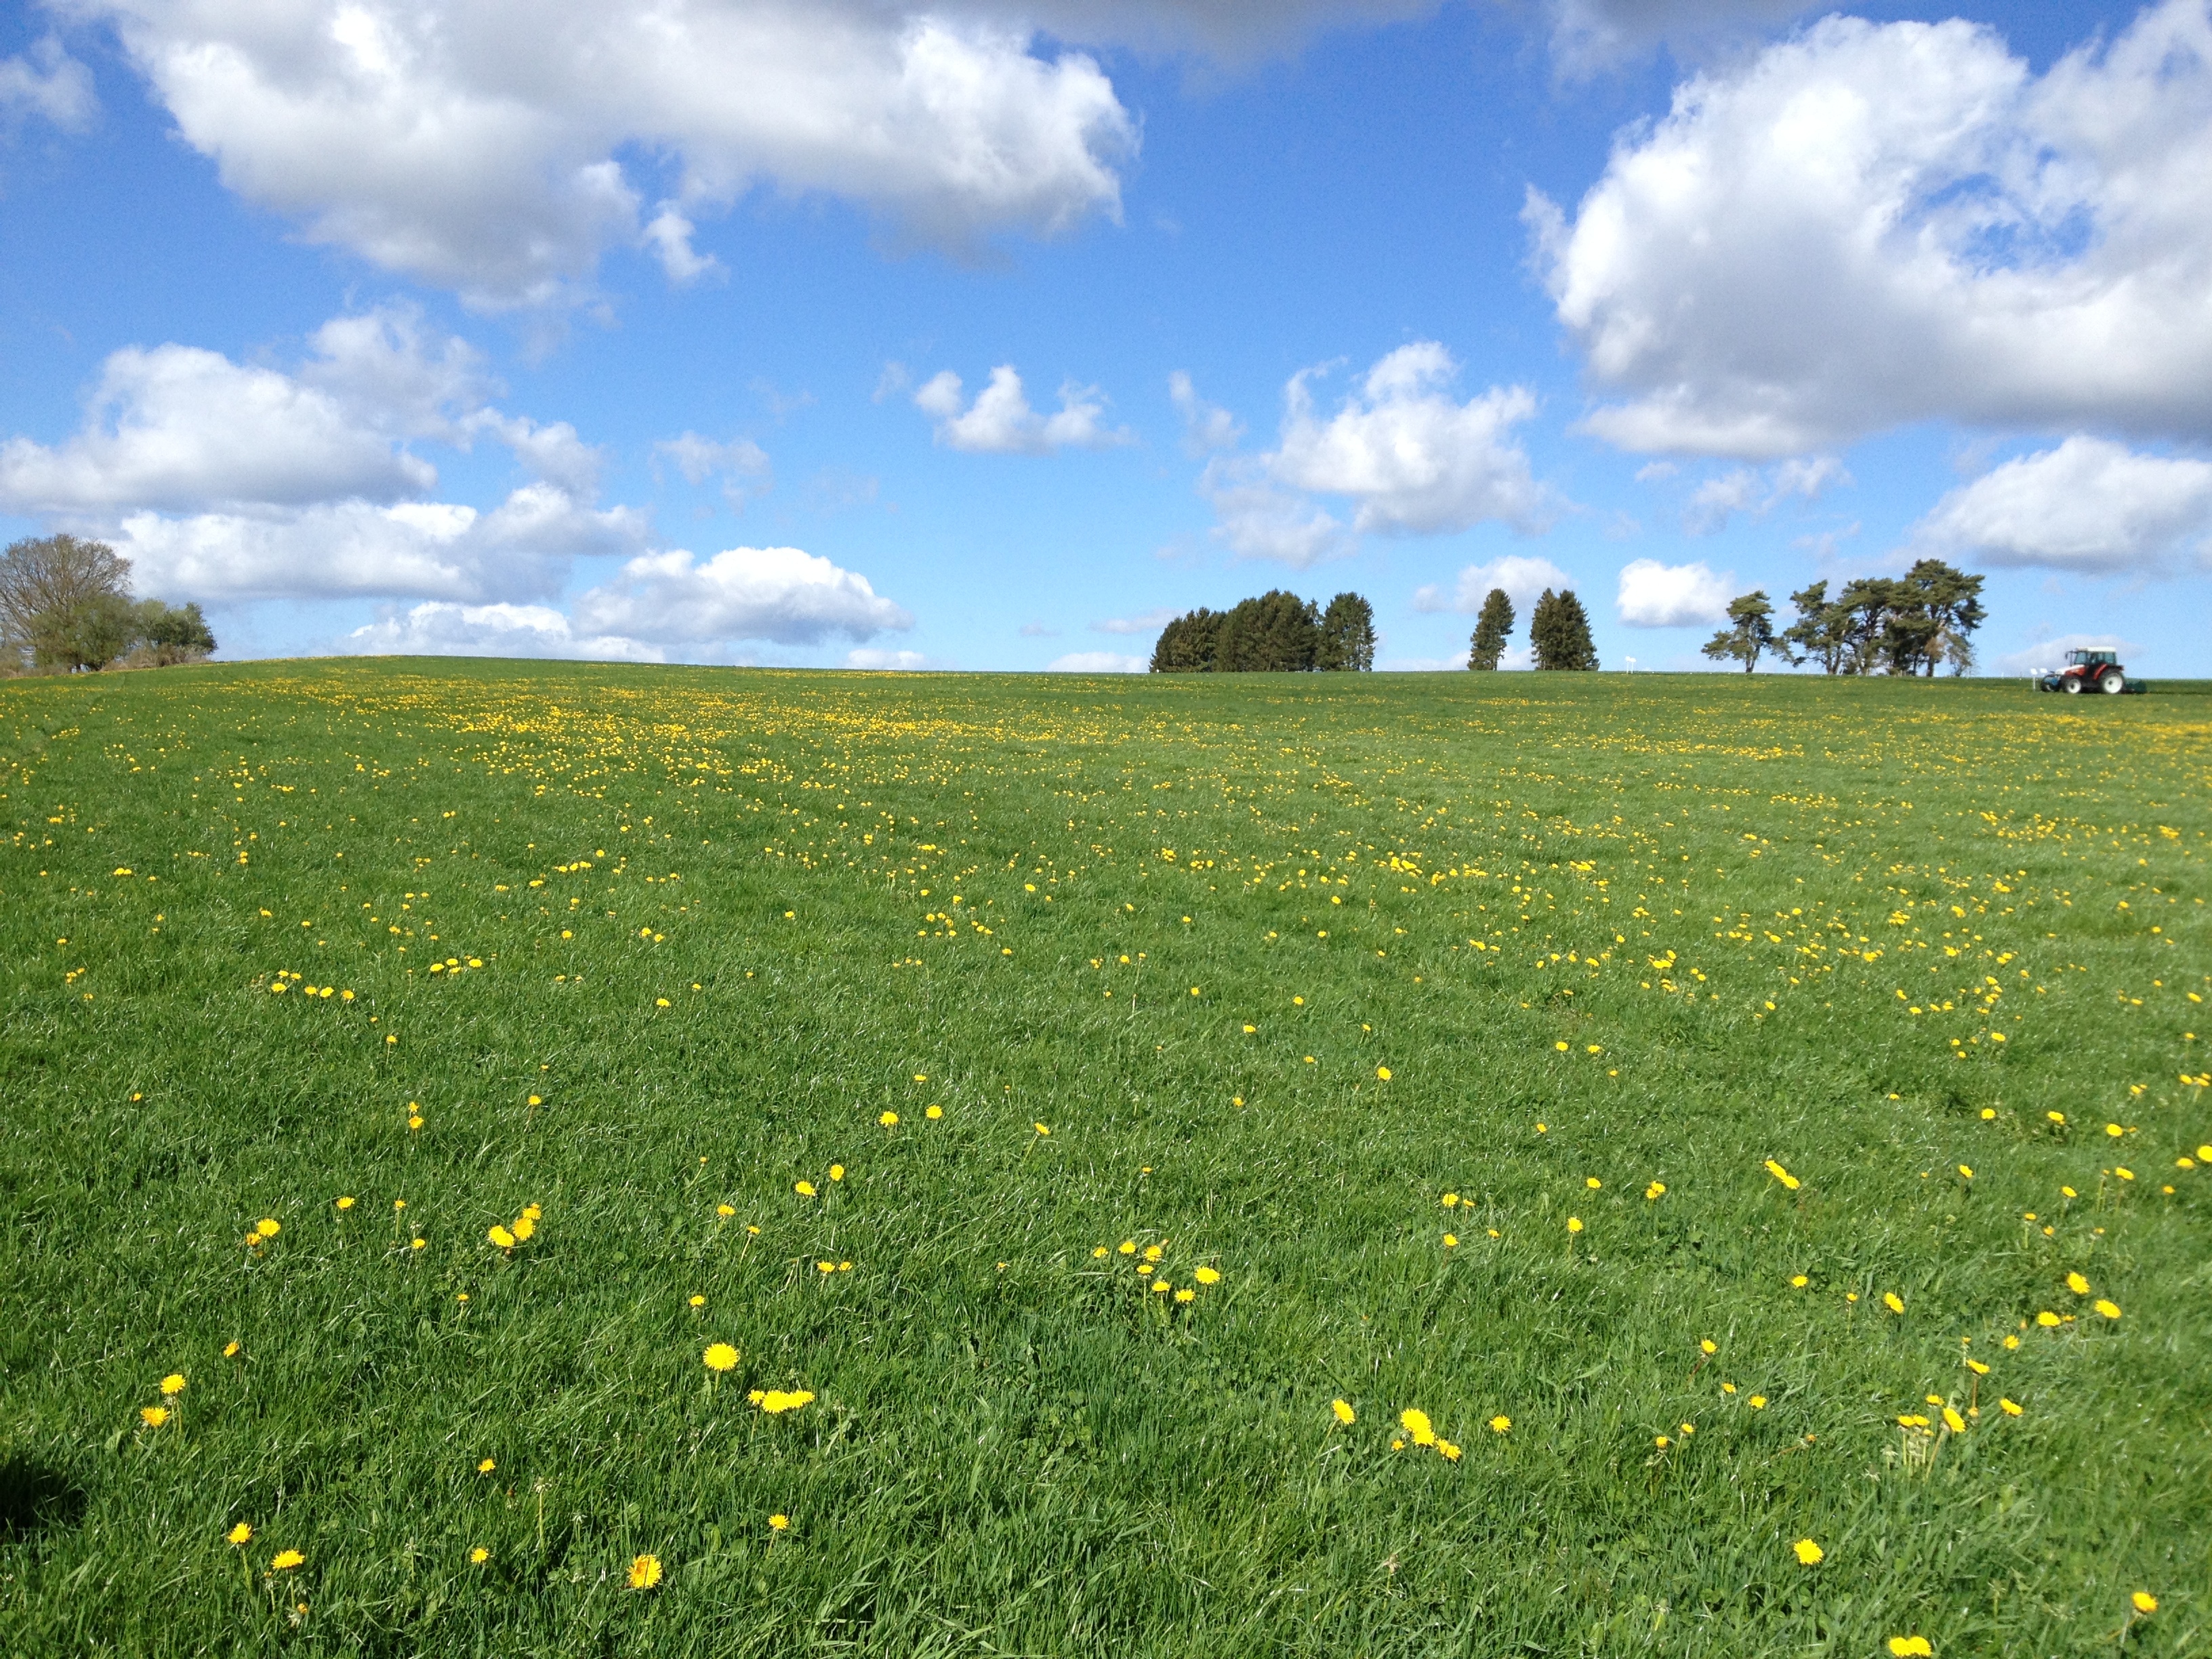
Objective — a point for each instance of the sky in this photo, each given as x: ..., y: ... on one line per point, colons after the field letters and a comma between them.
x: 843, y: 333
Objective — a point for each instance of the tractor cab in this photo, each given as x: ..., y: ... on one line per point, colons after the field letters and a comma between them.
x: 2092, y: 658
x: 2089, y: 670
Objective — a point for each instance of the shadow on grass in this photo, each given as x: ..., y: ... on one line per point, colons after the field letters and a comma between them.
x: 36, y: 1496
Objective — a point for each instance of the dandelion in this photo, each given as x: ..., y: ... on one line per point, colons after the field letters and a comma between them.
x: 1500, y: 1424
x: 2110, y: 1310
x: 285, y: 1560
x: 1893, y: 1301
x: 1657, y: 1189
x: 645, y: 1572
x: 1966, y: 1172
x: 1759, y: 1402
x: 479, y: 1555
x: 1153, y: 1251
x: 774, y: 1401
x: 1101, y: 1251
x: 779, y: 1523
x: 240, y: 1535
x: 153, y: 1416
x: 889, y: 1120
x: 933, y: 1113
x: 1451, y: 1241
x: 1383, y: 1072
x: 501, y: 1237
x: 2010, y: 1407
x: 1449, y: 1200
x: 2048, y: 1320
x: 1953, y: 1421
x: 1128, y: 1247
x: 1661, y: 1442
x: 1708, y: 1347
x: 1790, y: 1182
x: 1977, y: 1368
x: 1574, y: 1224
x: 230, y: 1349
x: 1561, y: 1047
x: 825, y: 1267
x: 1798, y: 1281
x: 837, y: 1172
x: 173, y: 1383
x: 267, y: 1227
x: 720, y: 1357
x: 2144, y: 1601
x: 1040, y: 1129
x: 1344, y: 1414
x: 1416, y: 1426
x: 1186, y: 1294
x: 1910, y: 1647
x: 486, y: 1466
x: 803, y: 1189
x: 345, y: 1203
x: 725, y: 1211
x: 1207, y: 1276
x: 2077, y: 1284
x: 1808, y: 1551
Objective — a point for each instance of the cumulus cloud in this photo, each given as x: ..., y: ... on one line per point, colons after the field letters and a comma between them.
x: 48, y: 83
x: 1588, y: 35
x: 742, y: 465
x: 1149, y: 622
x: 1205, y: 427
x: 1868, y: 224
x: 1417, y: 461
x: 1406, y: 456
x: 489, y: 148
x: 875, y: 659
x: 1655, y: 595
x: 1097, y: 662
x: 436, y: 627
x: 1524, y: 579
x: 1745, y: 489
x: 1001, y: 422
x: 2090, y: 505
x: 777, y: 593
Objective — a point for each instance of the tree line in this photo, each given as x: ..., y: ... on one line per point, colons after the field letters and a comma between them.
x: 65, y: 606
x: 1910, y: 625
x: 1278, y: 633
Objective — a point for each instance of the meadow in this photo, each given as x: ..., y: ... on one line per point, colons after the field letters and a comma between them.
x: 541, y: 1159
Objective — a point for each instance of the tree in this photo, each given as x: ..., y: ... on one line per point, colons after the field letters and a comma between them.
x: 1492, y: 629
x: 1347, y: 634
x: 1821, y: 632
x: 171, y: 634
x: 1750, y: 631
x: 1276, y: 632
x: 1558, y: 628
x: 1951, y: 601
x: 64, y: 602
x: 1191, y: 644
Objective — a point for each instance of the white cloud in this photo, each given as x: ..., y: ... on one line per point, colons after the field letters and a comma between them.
x: 1205, y: 427
x: 1591, y: 35
x: 1415, y: 460
x: 1868, y: 224
x: 669, y: 234
x: 1097, y: 662
x: 487, y: 147
x: 1655, y: 595
x: 1037, y: 630
x: 1001, y: 422
x: 2090, y: 505
x: 1524, y: 579
x: 1256, y: 520
x: 1149, y: 622
x: 332, y: 549
x: 177, y: 426
x: 2051, y: 653
x: 777, y: 593
x: 742, y: 465
x: 47, y: 82
x: 905, y: 662
x: 436, y: 627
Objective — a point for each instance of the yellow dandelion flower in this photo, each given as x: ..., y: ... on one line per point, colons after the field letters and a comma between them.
x: 803, y: 1189
x: 173, y: 1383
x: 1953, y: 1421
x: 1207, y: 1276
x: 1449, y: 1451
x: 724, y: 1209
x: 1451, y: 1241
x: 2144, y: 1601
x: 1910, y: 1647
x: 345, y: 1203
x: 1041, y: 1129
x: 1790, y: 1182
x: 776, y: 1400
x: 285, y: 1560
x: 1798, y: 1281
x: 1416, y: 1426
x: 1657, y: 1189
x: 1574, y: 1224
x: 779, y: 1523
x: 2077, y: 1284
x: 501, y: 1237
x: 2048, y: 1320
x: 889, y: 1120
x: 1592, y: 1182
x: 720, y: 1357
x: 825, y: 1267
x: 240, y: 1534
x: 268, y: 1228
x: 934, y: 1112
x: 524, y: 1228
x: 2110, y: 1310
x: 479, y: 1555
x: 645, y: 1572
x: 1893, y: 1301
x: 153, y: 1416
x: 1383, y: 1072
x: 1343, y: 1412
x: 1759, y: 1402
x: 837, y: 1172
x: 1707, y: 1346
x: 1500, y: 1424
x: 230, y: 1349
x: 2011, y: 1408
x: 1808, y: 1551
x: 1186, y: 1294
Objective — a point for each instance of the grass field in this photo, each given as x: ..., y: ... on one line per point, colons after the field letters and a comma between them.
x: 1097, y: 1112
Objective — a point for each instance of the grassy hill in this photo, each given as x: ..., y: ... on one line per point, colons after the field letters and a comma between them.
x: 1333, y: 1165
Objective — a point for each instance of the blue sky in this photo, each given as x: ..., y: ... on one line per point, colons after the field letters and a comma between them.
x: 611, y: 329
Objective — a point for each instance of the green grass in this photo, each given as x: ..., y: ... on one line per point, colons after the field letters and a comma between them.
x: 1697, y: 900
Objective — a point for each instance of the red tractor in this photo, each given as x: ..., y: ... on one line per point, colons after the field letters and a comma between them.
x: 2088, y: 670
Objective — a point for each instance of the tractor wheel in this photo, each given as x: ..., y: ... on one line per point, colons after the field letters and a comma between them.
x: 2115, y: 683
x: 2073, y: 685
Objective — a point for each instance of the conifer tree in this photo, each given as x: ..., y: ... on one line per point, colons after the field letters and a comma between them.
x: 1560, y: 630
x: 1492, y: 629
